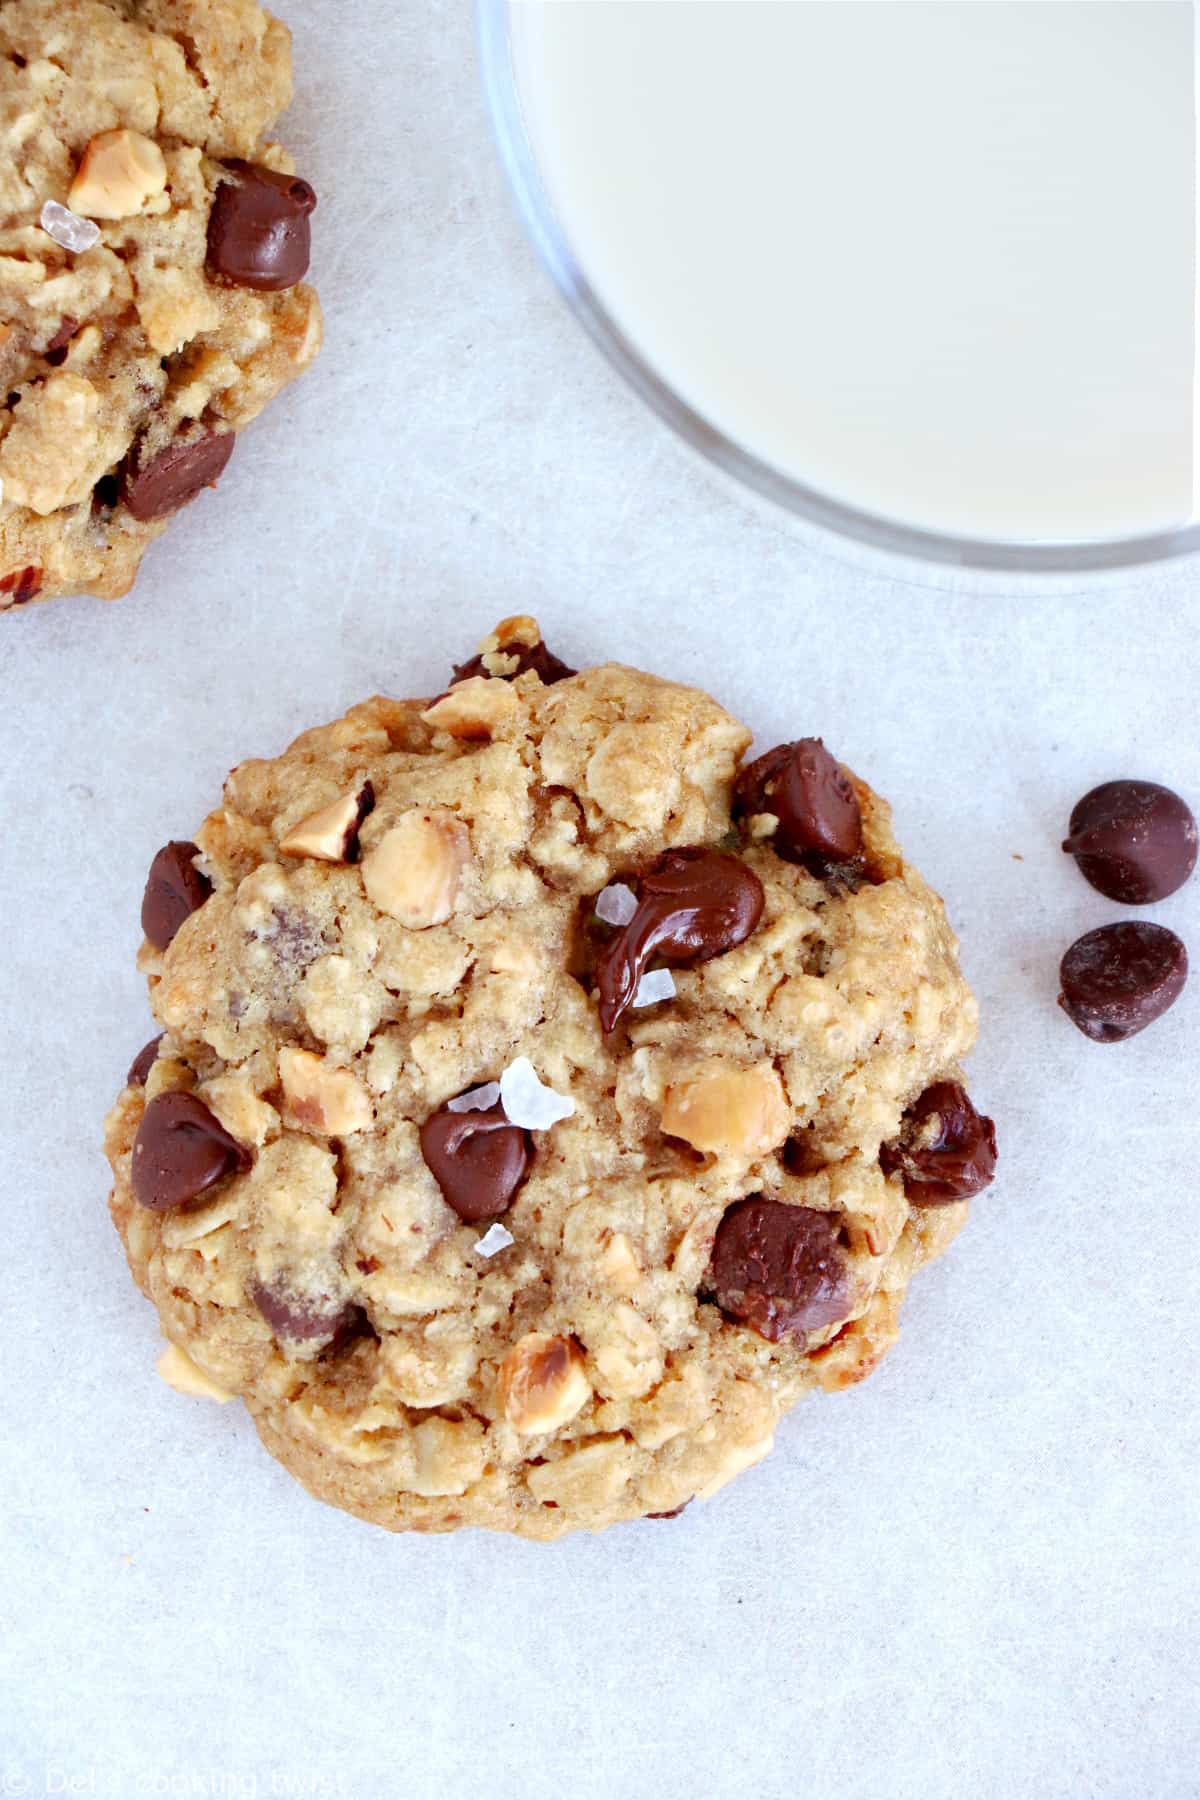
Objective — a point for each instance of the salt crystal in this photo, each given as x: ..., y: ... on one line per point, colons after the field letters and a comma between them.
x: 68, y: 229
x: 655, y: 985
x: 527, y: 1103
x: 494, y: 1239
x: 480, y: 1099
x: 617, y: 904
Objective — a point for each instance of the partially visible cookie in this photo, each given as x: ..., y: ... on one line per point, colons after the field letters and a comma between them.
x: 546, y: 1101
x: 153, y: 242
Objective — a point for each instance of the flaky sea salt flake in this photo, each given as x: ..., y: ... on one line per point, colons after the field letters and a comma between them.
x: 480, y: 1099
x: 527, y: 1102
x: 495, y: 1238
x: 616, y: 904
x: 68, y: 229
x: 655, y: 985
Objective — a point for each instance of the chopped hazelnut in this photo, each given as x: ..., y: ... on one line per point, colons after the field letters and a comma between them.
x: 729, y: 1112
x: 414, y: 871
x: 186, y: 1377
x: 118, y: 173
x: 473, y: 709
x: 331, y: 833
x: 618, y: 1264
x: 542, y: 1383
x: 332, y: 1102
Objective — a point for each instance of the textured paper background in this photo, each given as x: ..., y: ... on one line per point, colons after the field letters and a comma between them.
x: 978, y: 1574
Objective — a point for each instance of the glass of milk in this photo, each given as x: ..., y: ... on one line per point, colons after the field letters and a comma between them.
x: 923, y: 271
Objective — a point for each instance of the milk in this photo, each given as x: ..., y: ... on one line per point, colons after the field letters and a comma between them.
x: 935, y: 260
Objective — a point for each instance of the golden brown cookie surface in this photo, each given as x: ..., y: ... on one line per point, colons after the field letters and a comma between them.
x: 468, y: 1256
x: 142, y: 209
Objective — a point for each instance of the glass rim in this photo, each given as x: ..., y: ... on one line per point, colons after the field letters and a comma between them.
x: 870, y: 530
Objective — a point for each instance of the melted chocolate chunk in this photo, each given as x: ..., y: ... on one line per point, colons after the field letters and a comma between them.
x: 305, y: 1318
x: 545, y: 665
x: 176, y: 475
x: 946, y: 1150
x: 1120, y: 978
x: 60, y: 343
x: 693, y: 904
x: 820, y: 822
x: 1134, y: 841
x: 779, y: 1269
x: 478, y: 1159
x: 181, y: 1151
x: 175, y: 889
x: 143, y: 1062
x: 259, y: 234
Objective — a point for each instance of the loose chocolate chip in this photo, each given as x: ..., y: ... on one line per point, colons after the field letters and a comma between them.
x: 175, y: 889
x: 946, y: 1150
x: 1120, y: 978
x: 23, y: 584
x: 693, y: 904
x: 258, y: 231
x: 478, y: 1159
x: 143, y: 1062
x: 180, y: 1151
x: 1133, y: 840
x: 305, y: 1318
x: 545, y: 665
x: 779, y: 1268
x: 176, y: 475
x: 820, y: 823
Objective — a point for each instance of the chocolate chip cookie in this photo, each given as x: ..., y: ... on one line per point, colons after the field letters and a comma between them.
x: 153, y: 244
x: 544, y: 1101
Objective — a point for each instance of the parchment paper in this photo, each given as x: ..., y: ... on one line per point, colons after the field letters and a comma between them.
x: 975, y: 1575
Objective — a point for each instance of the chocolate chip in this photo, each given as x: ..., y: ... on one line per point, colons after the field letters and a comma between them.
x: 779, y: 1268
x: 673, y: 1514
x: 143, y: 1062
x: 23, y: 584
x: 693, y: 904
x: 181, y: 1151
x: 258, y: 231
x: 545, y: 665
x: 820, y: 823
x: 176, y: 475
x: 1120, y: 978
x: 175, y: 889
x: 305, y: 1318
x: 478, y: 1159
x: 946, y: 1150
x: 1133, y: 840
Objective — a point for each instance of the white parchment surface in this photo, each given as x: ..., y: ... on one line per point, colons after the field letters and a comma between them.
x: 976, y: 1575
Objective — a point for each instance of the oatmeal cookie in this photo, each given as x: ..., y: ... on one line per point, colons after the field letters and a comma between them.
x: 153, y: 242
x: 545, y: 1100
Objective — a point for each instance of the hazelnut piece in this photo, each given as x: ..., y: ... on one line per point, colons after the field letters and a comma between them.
x: 332, y: 1102
x: 331, y: 833
x: 413, y: 872
x: 542, y: 1383
x: 474, y: 709
x: 726, y: 1111
x: 118, y: 173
